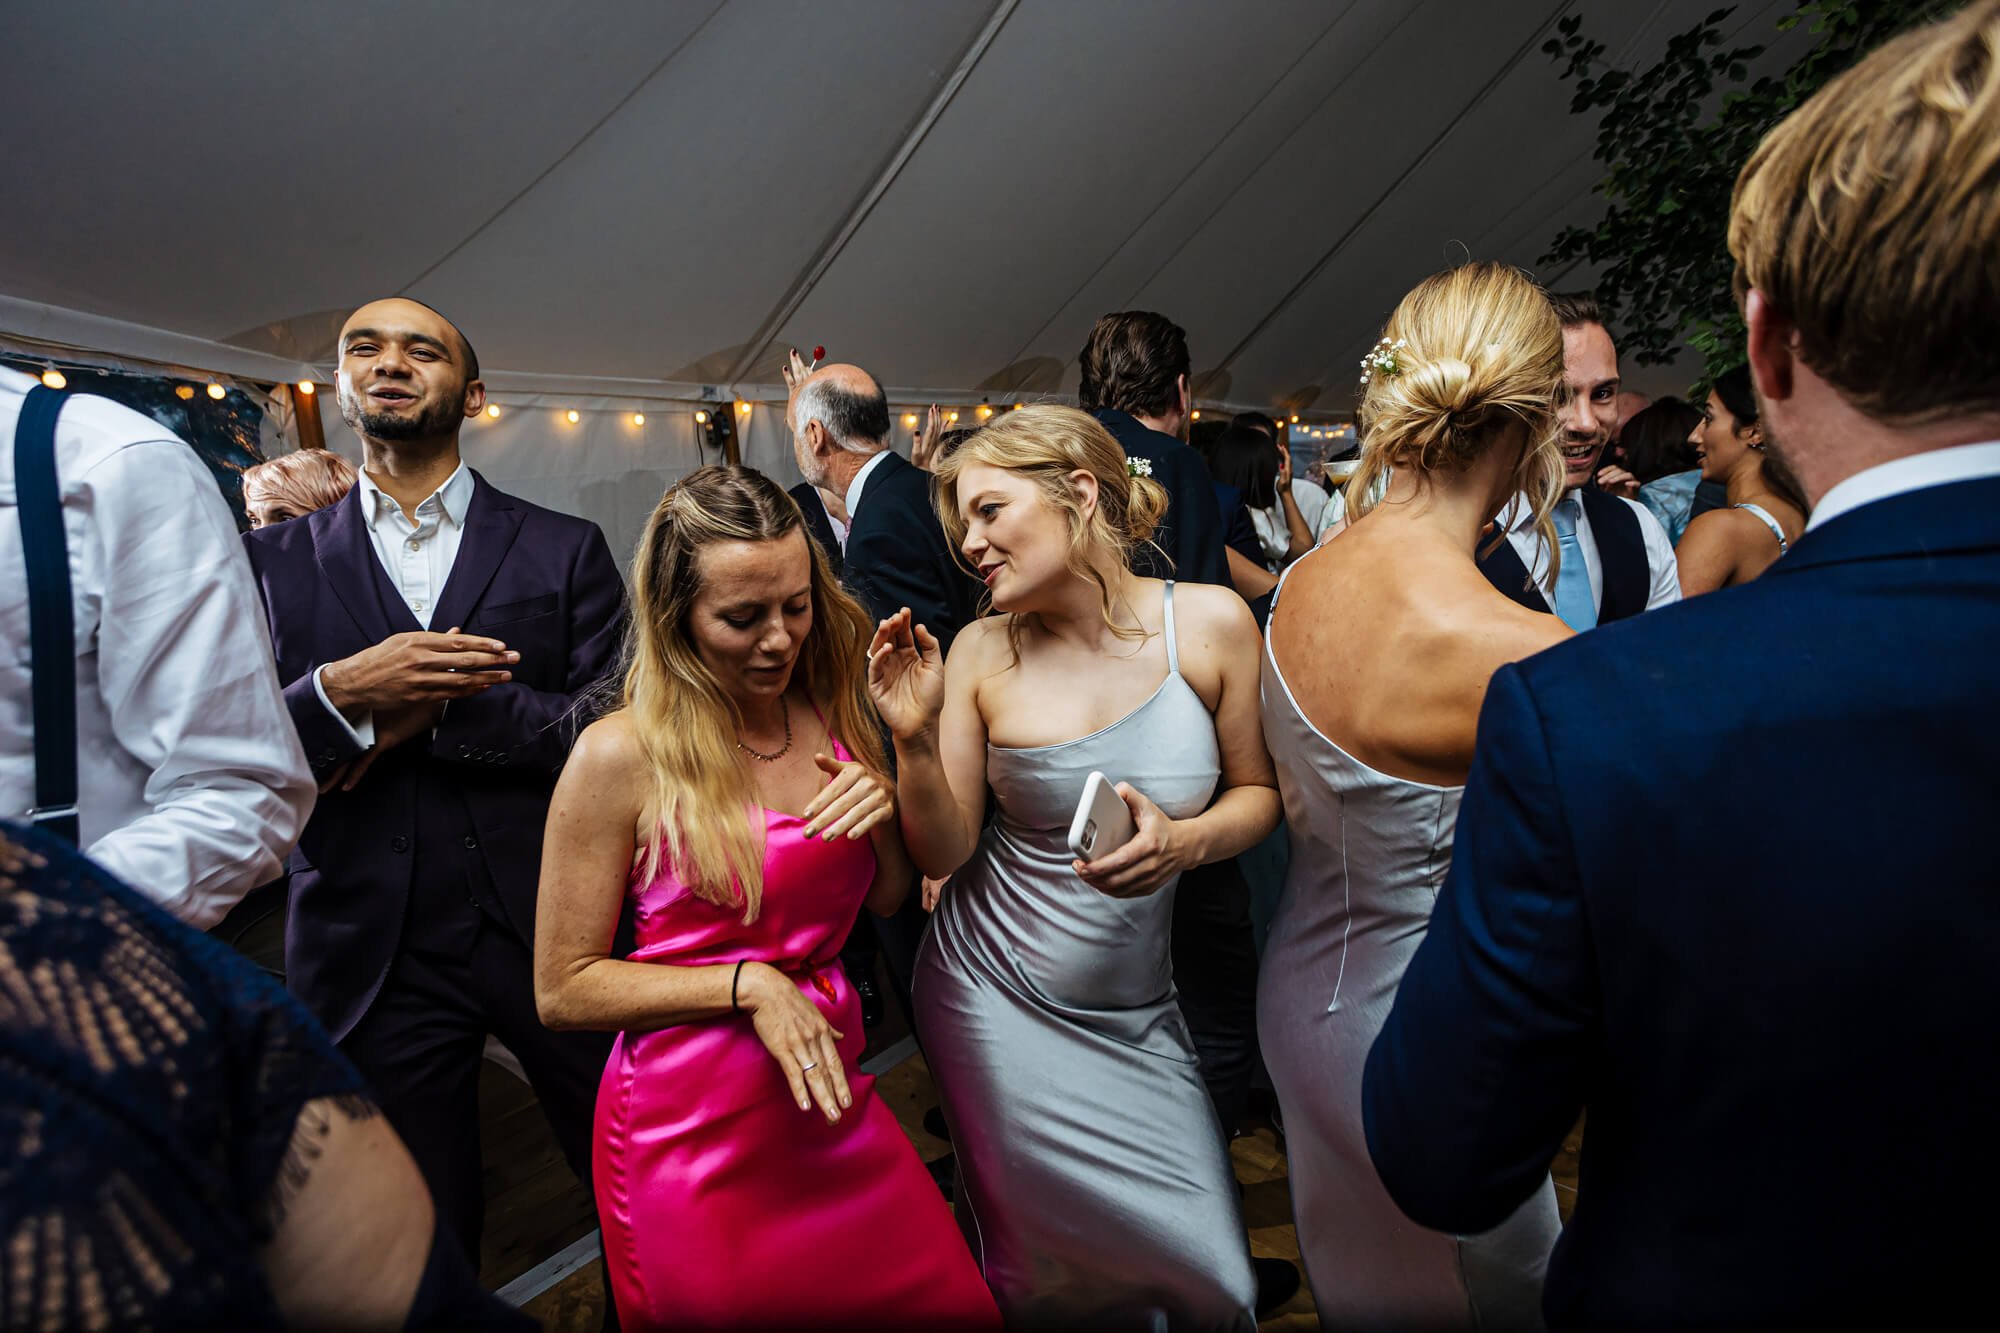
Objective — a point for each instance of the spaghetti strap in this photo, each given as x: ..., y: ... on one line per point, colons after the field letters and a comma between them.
x: 1173, y: 649
x: 1776, y: 529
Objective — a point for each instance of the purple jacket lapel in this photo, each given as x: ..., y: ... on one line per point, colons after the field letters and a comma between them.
x: 491, y: 522
x: 347, y: 558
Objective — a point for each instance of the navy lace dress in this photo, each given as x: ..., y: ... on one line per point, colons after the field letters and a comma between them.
x: 151, y: 1088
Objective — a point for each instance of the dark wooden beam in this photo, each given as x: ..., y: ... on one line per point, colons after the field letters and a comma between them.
x: 305, y: 411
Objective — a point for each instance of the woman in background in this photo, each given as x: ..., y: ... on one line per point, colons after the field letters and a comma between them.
x: 1766, y: 513
x: 1658, y: 454
x: 294, y: 485
x: 1381, y: 645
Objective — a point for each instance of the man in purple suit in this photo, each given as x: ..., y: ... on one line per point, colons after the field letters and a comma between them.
x: 438, y: 642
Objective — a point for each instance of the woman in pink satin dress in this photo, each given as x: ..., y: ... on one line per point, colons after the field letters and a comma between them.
x: 746, y: 1174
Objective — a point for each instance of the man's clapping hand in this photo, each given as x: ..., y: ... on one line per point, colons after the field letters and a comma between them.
x: 417, y: 668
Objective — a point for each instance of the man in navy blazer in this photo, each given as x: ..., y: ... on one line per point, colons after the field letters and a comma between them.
x: 439, y: 642
x: 1725, y: 873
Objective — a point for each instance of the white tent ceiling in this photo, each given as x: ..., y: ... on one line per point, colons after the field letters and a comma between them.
x: 641, y: 197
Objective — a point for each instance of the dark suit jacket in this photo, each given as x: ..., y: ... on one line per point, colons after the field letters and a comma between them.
x: 1192, y: 532
x: 897, y: 554
x: 819, y: 526
x: 542, y: 582
x: 1621, y: 557
x: 1775, y: 989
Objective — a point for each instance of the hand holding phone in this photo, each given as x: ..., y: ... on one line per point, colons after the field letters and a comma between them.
x: 1103, y: 823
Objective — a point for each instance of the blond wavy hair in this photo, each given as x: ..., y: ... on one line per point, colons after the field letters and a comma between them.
x: 1481, y: 353
x: 686, y: 723
x: 1046, y: 445
x: 1867, y: 218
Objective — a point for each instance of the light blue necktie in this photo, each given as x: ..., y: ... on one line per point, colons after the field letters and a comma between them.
x: 1574, y: 603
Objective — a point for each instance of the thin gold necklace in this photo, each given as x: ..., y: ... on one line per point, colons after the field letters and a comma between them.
x: 785, y: 704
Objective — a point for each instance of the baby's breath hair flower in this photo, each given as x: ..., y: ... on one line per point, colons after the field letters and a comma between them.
x: 1382, y: 359
x: 1138, y: 467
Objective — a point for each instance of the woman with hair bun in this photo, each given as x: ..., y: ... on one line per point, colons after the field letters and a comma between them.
x: 1381, y: 645
x: 1095, y: 1185
x: 746, y: 1174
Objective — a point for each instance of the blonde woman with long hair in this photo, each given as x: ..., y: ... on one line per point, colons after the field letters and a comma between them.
x: 1095, y: 1183
x: 1380, y: 647
x: 746, y: 1175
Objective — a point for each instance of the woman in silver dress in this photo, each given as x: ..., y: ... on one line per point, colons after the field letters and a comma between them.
x: 1095, y: 1185
x: 1380, y: 652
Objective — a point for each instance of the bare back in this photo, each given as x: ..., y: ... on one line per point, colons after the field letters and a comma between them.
x: 1387, y: 643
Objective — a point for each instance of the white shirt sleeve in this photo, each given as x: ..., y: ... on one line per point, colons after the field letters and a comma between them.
x: 186, y: 677
x: 1661, y: 568
x: 361, y: 730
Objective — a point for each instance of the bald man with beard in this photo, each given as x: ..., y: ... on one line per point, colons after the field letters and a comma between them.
x: 436, y: 639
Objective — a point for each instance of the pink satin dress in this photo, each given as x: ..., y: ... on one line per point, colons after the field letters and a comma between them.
x: 724, y: 1205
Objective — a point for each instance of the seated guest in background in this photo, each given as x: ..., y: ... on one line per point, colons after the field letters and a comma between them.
x: 185, y: 1148
x: 294, y: 484
x: 1306, y: 496
x: 1617, y: 560
x: 185, y: 776
x: 413, y: 890
x: 1097, y: 1188
x: 747, y: 1175
x: 1380, y: 648
x: 1766, y: 513
x: 1657, y: 448
x: 1773, y: 1008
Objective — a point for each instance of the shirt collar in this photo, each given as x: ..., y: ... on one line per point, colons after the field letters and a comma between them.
x: 454, y: 497
x: 1934, y: 467
x: 854, y: 487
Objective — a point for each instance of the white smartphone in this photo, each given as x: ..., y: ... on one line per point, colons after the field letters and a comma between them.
x: 1103, y: 824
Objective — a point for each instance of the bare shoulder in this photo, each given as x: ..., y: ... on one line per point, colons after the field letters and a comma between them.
x: 1486, y: 630
x: 608, y: 752
x: 1211, y: 609
x: 1723, y: 527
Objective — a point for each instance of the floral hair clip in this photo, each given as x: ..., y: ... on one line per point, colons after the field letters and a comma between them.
x: 1138, y: 467
x: 1382, y: 360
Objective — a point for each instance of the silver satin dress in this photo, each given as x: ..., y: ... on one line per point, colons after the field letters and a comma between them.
x: 1369, y: 852
x: 1094, y: 1185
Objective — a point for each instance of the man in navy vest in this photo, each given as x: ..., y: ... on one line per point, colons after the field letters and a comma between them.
x: 1725, y: 875
x: 1617, y: 559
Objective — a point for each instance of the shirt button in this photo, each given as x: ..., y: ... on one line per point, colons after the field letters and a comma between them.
x: 471, y: 843
x: 416, y: 545
x: 416, y: 606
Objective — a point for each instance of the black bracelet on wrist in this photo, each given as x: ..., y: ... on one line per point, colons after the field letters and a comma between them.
x: 734, y: 977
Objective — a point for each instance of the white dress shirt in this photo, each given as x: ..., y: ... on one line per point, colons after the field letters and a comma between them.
x: 191, y: 785
x: 417, y: 557
x: 1663, y: 574
x: 854, y: 489
x: 1938, y: 467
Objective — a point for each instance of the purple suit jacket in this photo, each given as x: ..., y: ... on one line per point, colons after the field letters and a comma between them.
x: 542, y: 582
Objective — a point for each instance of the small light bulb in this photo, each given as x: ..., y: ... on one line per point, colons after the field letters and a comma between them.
x: 910, y: 419
x: 1017, y: 407
x: 743, y: 408
x: 307, y: 388
x: 493, y: 411
x: 184, y: 391
x: 1196, y: 414
x: 952, y: 417
x: 1295, y: 418
x: 638, y: 418
x: 701, y: 418
x: 984, y: 412
x: 55, y: 379
x: 573, y: 416
x: 216, y: 391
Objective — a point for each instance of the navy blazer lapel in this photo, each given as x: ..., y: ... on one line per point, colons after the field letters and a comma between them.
x: 1956, y: 517
x: 491, y: 522
x: 346, y: 556
x: 1504, y: 569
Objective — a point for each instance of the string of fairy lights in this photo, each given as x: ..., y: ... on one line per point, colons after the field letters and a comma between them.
x: 53, y: 377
